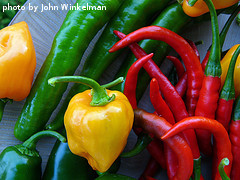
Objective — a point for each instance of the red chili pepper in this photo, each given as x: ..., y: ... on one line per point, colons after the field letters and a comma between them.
x: 155, y: 149
x: 158, y: 102
x: 194, y: 47
x: 209, y: 94
x: 150, y: 170
x: 158, y: 126
x: 234, y: 133
x: 130, y: 92
x: 162, y: 109
x: 131, y: 79
x: 181, y: 86
x: 192, y: 64
x: 223, y: 144
x: 178, y: 65
x: 171, y: 161
x: 227, y: 96
x: 173, y: 99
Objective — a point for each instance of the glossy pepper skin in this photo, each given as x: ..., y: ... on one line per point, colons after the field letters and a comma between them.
x: 200, y: 7
x: 126, y: 19
x: 234, y: 134
x: 63, y: 164
x: 172, y: 18
x: 69, y: 44
x: 98, y: 133
x: 97, y: 122
x: 227, y: 96
x: 225, y: 64
x: 23, y: 161
x: 223, y: 144
x: 18, y: 61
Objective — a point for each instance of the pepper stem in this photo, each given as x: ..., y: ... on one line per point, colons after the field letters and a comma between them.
x: 224, y: 162
x: 32, y: 141
x: 213, y: 67
x: 226, y: 27
x: 228, y: 90
x: 99, y: 93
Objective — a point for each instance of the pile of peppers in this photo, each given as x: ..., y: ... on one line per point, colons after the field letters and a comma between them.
x: 196, y: 118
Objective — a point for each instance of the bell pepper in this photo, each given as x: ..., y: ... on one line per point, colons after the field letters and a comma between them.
x: 200, y: 8
x: 225, y: 64
x: 17, y: 63
x: 97, y: 122
x: 23, y: 161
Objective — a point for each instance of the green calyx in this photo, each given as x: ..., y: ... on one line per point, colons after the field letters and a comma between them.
x: 224, y: 162
x: 99, y: 93
x: 30, y: 143
x: 228, y: 90
x: 142, y: 142
x: 213, y: 67
x: 236, y: 110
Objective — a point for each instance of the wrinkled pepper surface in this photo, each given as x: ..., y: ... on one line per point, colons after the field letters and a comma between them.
x: 17, y: 61
x: 200, y: 8
x: 97, y: 123
x: 225, y: 64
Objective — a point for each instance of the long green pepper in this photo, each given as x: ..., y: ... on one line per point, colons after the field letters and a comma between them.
x: 132, y: 15
x: 73, y: 38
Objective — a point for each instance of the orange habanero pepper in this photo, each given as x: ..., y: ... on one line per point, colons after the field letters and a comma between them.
x: 200, y: 8
x: 17, y: 63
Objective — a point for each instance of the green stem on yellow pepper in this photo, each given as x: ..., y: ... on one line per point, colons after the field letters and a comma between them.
x: 99, y: 93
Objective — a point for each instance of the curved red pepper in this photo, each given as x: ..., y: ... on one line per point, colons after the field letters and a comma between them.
x: 192, y: 64
x: 150, y: 170
x: 172, y: 98
x: 159, y: 126
x: 223, y: 144
x: 158, y: 102
x: 178, y: 65
x: 130, y: 92
x: 131, y: 79
x: 234, y: 133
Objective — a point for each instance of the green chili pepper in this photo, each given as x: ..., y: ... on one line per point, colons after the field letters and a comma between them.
x: 23, y: 161
x: 172, y: 18
x: 63, y: 164
x: 128, y: 18
x: 71, y: 41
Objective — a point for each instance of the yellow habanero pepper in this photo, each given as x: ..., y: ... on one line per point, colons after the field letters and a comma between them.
x: 17, y: 63
x: 97, y: 123
x: 200, y: 8
x: 225, y: 64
